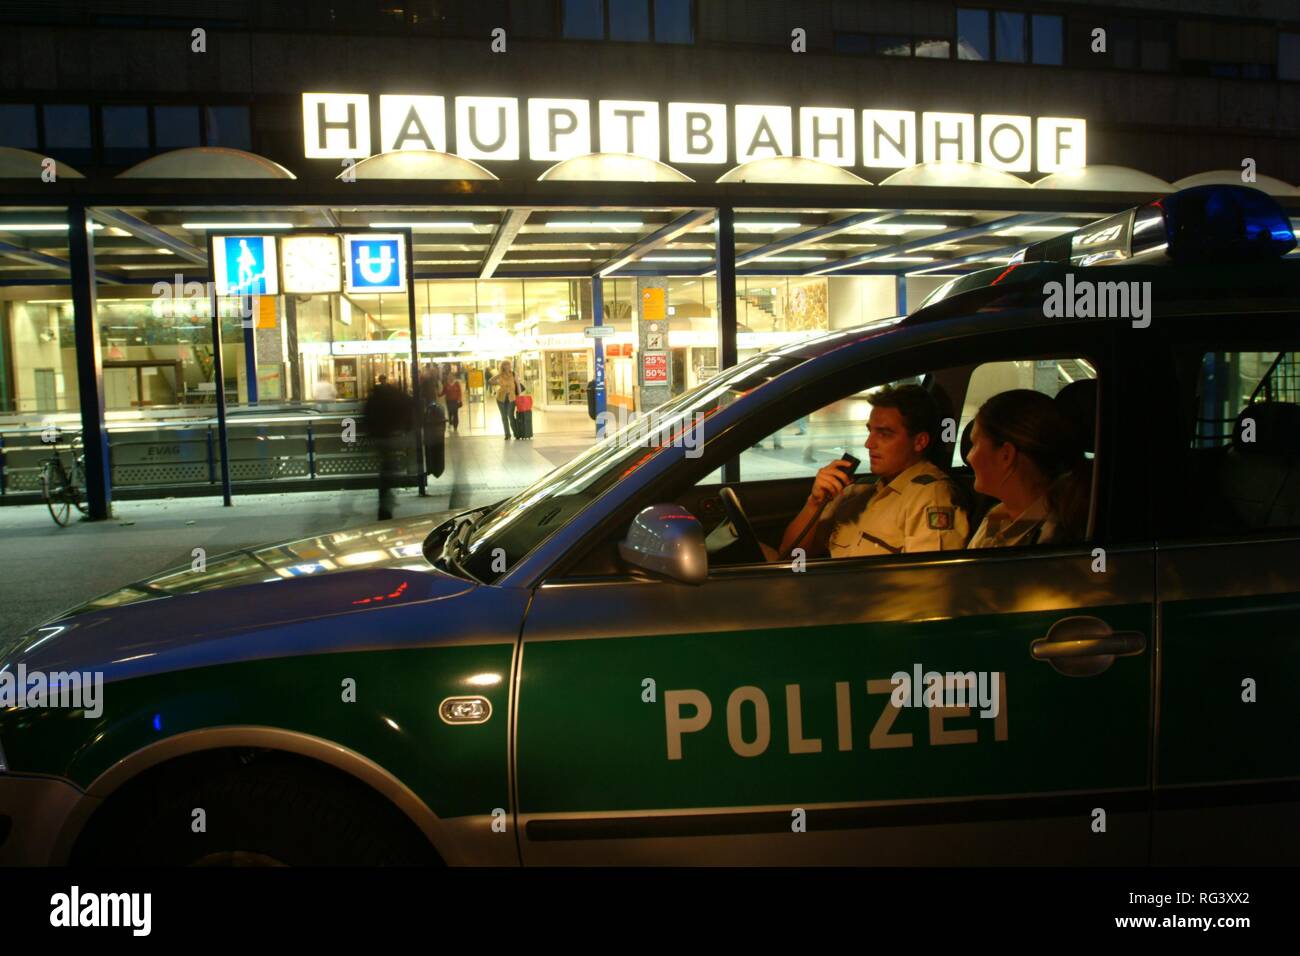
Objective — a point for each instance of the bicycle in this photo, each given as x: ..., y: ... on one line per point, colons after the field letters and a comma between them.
x: 62, y: 488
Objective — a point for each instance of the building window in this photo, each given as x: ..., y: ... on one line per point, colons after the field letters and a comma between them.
x: 1288, y: 56
x: 228, y: 126
x: 1047, y: 42
x: 937, y: 49
x: 18, y: 125
x: 858, y: 44
x: 67, y: 127
x: 637, y: 21
x: 629, y: 20
x: 1010, y: 37
x: 176, y: 127
x: 871, y: 44
x: 673, y: 22
x: 1156, y: 46
x: 584, y: 19
x: 893, y: 46
x: 973, y: 35
x: 1140, y: 44
x: 126, y: 133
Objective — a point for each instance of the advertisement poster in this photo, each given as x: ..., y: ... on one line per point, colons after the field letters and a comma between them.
x: 654, y: 368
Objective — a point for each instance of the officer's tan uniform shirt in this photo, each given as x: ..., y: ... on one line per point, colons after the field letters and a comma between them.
x: 917, y: 511
x: 1038, y: 525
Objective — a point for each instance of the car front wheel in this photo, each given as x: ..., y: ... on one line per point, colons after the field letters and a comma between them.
x: 249, y: 808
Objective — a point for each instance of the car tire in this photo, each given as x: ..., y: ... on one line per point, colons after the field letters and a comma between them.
x: 259, y: 809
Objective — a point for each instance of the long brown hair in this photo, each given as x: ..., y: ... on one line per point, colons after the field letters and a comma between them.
x: 1037, y: 428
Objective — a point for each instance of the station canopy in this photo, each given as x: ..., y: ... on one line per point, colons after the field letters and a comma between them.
x: 207, y: 162
x: 24, y: 164
x: 932, y: 218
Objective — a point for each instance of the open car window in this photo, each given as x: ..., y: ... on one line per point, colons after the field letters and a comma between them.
x: 778, y: 468
x: 518, y: 525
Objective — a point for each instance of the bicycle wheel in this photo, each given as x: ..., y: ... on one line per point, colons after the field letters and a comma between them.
x: 55, y: 492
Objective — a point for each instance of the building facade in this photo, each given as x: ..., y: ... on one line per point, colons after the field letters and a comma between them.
x: 530, y: 232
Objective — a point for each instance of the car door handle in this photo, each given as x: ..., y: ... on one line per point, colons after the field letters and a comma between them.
x: 1085, y: 646
x: 1118, y: 644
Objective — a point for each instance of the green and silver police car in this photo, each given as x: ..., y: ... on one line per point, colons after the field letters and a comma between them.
x: 604, y: 669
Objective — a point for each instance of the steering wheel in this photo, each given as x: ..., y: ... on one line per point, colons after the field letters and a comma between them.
x: 746, y: 545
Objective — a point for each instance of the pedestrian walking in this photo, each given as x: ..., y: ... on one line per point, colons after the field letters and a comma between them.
x: 387, y: 417
x: 454, y: 396
x: 507, y: 390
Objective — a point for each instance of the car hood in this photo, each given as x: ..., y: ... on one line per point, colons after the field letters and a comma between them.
x: 280, y: 598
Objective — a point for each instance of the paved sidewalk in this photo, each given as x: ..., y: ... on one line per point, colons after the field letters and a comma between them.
x: 45, y: 569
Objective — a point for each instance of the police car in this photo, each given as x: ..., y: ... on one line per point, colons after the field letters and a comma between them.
x: 603, y: 669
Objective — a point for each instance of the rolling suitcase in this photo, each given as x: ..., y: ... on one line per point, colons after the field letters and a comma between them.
x: 524, y: 416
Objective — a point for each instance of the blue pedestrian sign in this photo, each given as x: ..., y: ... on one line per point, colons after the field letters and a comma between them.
x: 375, y: 263
x: 245, y: 265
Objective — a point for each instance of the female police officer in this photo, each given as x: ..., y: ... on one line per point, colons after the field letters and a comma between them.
x: 1029, y: 456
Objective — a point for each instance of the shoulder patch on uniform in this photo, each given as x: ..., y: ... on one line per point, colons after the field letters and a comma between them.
x: 924, y: 479
x: 939, y: 518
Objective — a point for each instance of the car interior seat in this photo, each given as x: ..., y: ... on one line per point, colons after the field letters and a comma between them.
x: 1260, y: 474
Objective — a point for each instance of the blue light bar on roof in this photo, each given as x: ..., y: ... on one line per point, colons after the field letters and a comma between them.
x: 1223, y: 224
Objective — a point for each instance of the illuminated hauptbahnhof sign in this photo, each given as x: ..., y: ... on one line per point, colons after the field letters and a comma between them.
x: 488, y: 128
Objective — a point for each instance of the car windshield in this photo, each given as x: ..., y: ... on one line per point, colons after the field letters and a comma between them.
x: 518, y: 525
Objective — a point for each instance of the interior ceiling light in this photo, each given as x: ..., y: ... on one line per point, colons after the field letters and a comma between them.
x: 905, y: 259
x: 41, y: 226
x: 609, y: 224
x: 898, y: 228
x: 529, y: 262
x: 250, y: 226
x: 423, y: 225
x: 793, y: 259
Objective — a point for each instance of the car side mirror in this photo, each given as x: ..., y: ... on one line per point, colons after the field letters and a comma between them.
x: 667, y: 540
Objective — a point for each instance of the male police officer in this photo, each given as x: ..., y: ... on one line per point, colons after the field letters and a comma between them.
x: 914, y: 506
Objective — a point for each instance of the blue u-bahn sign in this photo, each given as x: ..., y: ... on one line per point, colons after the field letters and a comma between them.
x: 375, y: 263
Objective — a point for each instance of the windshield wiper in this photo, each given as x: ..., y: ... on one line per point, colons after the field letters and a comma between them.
x: 446, y: 544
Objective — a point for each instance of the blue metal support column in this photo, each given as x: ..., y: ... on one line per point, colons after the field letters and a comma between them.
x: 724, y: 247
x: 219, y: 377
x: 597, y: 318
x: 417, y: 403
x: 900, y: 295
x: 90, y: 368
x: 249, y: 323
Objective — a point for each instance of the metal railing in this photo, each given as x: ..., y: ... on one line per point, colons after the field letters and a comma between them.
x: 185, y: 454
